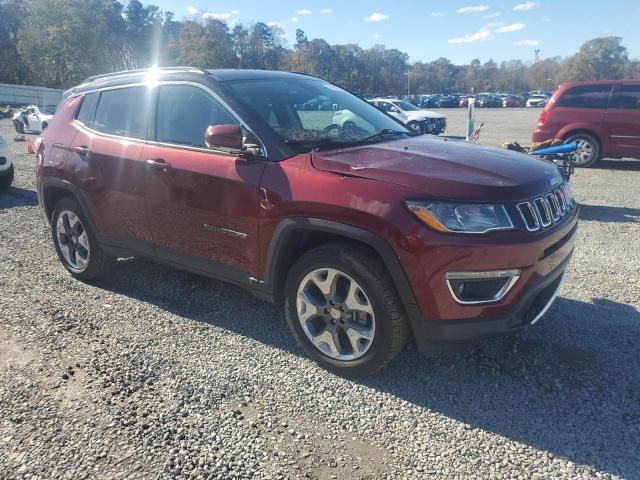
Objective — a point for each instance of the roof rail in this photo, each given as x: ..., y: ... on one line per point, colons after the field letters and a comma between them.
x: 140, y: 70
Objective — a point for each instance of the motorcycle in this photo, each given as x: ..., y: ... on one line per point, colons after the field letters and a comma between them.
x: 562, y: 154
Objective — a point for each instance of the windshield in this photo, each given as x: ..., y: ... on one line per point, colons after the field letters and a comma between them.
x: 406, y: 106
x: 310, y: 113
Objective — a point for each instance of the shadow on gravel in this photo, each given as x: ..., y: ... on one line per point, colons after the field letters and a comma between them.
x: 618, y: 164
x: 601, y: 213
x: 17, y: 197
x: 569, y: 386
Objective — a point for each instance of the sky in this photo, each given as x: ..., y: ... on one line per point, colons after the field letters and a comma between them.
x: 428, y: 29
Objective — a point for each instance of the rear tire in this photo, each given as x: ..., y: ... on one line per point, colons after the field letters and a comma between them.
x: 19, y: 127
x: 76, y: 244
x: 362, y: 315
x: 7, y: 178
x: 588, y: 149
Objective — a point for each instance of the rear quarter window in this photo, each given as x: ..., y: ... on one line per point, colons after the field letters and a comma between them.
x: 585, y: 96
x: 627, y: 97
x: 84, y: 113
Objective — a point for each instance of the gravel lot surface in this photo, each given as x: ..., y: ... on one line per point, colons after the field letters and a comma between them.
x: 155, y: 373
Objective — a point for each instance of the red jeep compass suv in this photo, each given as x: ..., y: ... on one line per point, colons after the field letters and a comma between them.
x: 602, y: 117
x: 365, y: 231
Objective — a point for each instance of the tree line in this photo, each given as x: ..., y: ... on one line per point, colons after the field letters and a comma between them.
x: 58, y: 43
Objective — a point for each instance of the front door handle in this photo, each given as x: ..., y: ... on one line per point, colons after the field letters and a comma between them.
x: 158, y: 164
x: 82, y: 150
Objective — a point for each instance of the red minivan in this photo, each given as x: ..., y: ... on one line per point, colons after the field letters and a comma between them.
x: 366, y: 232
x: 603, y: 117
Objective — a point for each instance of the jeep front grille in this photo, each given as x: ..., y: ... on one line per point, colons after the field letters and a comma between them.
x: 546, y: 210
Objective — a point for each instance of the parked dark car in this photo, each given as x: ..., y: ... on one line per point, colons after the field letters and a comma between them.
x: 513, y: 101
x: 602, y: 117
x: 366, y: 233
x: 448, y: 101
x: 488, y: 100
x: 429, y: 101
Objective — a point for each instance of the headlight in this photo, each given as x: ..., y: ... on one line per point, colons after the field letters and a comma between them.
x: 461, y: 217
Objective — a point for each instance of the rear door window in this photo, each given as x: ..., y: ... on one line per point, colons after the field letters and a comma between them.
x: 123, y: 112
x: 586, y: 96
x: 627, y: 97
x: 185, y: 112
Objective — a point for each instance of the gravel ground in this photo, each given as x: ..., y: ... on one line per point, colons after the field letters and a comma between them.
x: 155, y: 373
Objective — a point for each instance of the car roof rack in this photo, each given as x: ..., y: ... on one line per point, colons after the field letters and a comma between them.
x: 125, y: 73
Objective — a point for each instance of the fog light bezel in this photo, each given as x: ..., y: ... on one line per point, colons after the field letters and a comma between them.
x: 510, y: 276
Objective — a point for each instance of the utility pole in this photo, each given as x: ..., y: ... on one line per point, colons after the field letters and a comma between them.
x: 408, y: 83
x: 536, y: 57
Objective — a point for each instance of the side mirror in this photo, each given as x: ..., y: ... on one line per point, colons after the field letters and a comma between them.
x: 224, y: 136
x: 234, y: 138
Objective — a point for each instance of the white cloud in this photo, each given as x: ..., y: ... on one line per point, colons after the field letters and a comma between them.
x: 528, y: 5
x: 481, y: 35
x: 436, y: 14
x: 191, y: 10
x: 375, y: 35
x: 376, y: 17
x: 304, y: 11
x: 514, y: 27
x: 219, y: 15
x: 295, y: 19
x: 274, y: 24
x: 492, y: 15
x: 326, y: 10
x: 528, y: 43
x: 235, y: 12
x: 473, y: 9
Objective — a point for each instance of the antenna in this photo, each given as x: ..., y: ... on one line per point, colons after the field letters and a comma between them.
x: 536, y: 57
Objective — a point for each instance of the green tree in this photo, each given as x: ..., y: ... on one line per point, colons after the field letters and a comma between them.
x: 11, y: 67
x: 598, y: 59
x: 193, y: 46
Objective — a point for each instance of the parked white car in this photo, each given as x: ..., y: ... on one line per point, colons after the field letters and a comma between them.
x: 6, y: 167
x: 539, y: 100
x: 417, y: 119
x: 31, y: 120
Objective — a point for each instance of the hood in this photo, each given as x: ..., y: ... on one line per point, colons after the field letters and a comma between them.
x: 445, y: 169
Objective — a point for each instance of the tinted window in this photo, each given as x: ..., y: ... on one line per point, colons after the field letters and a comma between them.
x: 586, y: 96
x: 86, y: 108
x: 123, y: 112
x: 185, y: 112
x: 627, y: 97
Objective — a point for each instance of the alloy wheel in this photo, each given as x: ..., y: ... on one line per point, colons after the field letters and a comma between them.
x: 72, y: 240
x: 335, y: 314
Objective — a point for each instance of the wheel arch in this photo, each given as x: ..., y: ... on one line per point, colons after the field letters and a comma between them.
x: 295, y: 236
x: 52, y: 190
x: 566, y: 133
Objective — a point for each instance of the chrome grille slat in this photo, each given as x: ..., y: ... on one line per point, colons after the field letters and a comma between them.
x: 547, y: 210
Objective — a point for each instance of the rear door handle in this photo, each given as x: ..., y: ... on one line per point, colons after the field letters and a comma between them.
x: 158, y: 164
x: 82, y: 150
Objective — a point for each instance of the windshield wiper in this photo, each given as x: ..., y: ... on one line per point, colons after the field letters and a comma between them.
x: 387, y: 132
x: 321, y: 142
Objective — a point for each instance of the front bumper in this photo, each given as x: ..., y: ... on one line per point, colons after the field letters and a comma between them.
x: 540, y: 260
x: 449, y: 334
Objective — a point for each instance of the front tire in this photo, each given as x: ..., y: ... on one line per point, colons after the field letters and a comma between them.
x: 75, y: 242
x: 416, y: 127
x: 19, y: 124
x: 343, y: 310
x: 6, y: 179
x: 588, y: 149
